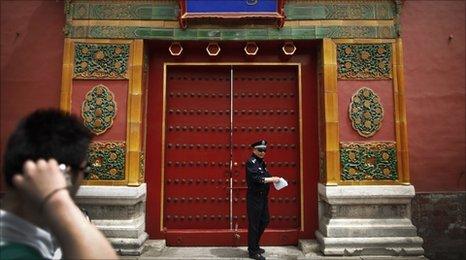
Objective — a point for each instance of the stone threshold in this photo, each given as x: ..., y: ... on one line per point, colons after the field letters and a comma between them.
x: 307, y: 249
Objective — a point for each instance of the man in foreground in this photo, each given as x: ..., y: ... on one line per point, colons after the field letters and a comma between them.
x: 44, y: 163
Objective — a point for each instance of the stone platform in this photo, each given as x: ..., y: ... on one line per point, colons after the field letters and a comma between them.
x: 307, y: 249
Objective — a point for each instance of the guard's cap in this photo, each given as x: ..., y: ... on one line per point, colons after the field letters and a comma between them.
x: 260, y: 144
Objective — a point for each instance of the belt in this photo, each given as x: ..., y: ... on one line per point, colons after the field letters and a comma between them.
x: 258, y: 192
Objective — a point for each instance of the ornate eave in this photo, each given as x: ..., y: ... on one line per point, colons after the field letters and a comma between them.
x: 305, y: 20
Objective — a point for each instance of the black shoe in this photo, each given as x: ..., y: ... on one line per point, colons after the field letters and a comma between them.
x: 256, y: 256
x: 261, y: 251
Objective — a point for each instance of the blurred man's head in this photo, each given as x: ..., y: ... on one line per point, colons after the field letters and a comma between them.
x: 47, y: 134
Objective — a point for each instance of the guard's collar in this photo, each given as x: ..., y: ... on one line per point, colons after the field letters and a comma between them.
x: 257, y: 157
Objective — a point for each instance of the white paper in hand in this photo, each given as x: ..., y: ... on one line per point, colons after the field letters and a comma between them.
x: 282, y: 183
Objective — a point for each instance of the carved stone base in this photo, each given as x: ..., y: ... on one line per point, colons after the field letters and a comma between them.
x: 119, y: 212
x: 367, y: 220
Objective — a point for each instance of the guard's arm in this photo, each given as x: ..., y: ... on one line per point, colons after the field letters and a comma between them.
x: 271, y: 179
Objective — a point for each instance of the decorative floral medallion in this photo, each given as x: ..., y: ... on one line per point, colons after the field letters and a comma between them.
x: 366, y: 112
x: 101, y: 61
x: 107, y: 160
x: 368, y: 161
x: 98, y: 109
x: 364, y: 61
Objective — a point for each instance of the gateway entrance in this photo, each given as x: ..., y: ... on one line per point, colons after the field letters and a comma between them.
x: 212, y: 114
x: 202, y: 115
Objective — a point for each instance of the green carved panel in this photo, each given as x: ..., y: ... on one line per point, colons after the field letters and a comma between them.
x: 368, y: 161
x: 142, y: 166
x: 98, y: 109
x: 286, y: 33
x: 294, y: 10
x: 107, y: 160
x: 336, y: 32
x: 366, y: 112
x: 338, y: 10
x: 364, y: 61
x: 168, y: 10
x: 101, y: 61
x: 125, y: 10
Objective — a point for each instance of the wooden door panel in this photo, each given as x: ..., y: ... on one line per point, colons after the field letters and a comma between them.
x: 266, y: 107
x: 197, y: 148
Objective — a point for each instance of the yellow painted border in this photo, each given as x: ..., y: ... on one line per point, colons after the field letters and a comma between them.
x: 330, y: 120
x: 166, y: 64
x: 400, y: 112
x: 134, y: 104
x: 162, y: 154
x: 134, y: 113
x: 67, y: 75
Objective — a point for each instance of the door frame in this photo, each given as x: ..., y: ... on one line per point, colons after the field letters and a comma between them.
x: 307, y: 58
x: 229, y: 64
x: 217, y: 234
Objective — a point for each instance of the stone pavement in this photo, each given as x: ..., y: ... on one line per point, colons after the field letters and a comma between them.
x: 156, y: 249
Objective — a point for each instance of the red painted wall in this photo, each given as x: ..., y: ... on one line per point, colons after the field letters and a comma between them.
x: 435, y: 93
x: 31, y: 56
x: 31, y: 59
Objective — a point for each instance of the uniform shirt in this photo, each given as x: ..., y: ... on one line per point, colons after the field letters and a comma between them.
x: 256, y: 172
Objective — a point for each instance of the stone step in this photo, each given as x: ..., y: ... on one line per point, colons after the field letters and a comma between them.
x: 308, y: 249
x: 357, y: 227
x: 396, y: 246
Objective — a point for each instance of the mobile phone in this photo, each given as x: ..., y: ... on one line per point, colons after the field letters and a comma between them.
x: 66, y: 172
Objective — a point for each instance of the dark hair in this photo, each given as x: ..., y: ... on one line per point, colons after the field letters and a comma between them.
x: 46, y: 134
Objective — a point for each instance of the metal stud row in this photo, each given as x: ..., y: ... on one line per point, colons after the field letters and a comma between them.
x: 197, y: 199
x: 224, y: 217
x: 206, y: 181
x: 198, y: 181
x: 265, y: 112
x: 198, y: 112
x: 226, y: 199
x: 236, y: 95
x: 235, y: 78
x: 197, y: 217
x: 220, y: 146
x: 191, y: 128
x: 221, y: 164
x: 227, y: 112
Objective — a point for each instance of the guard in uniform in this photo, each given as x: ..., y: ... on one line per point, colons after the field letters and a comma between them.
x: 258, y: 179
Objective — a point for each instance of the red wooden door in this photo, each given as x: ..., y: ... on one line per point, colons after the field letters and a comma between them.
x: 197, y: 153
x: 212, y: 114
x: 266, y: 106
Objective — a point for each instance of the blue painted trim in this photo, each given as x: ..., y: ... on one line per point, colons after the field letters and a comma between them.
x: 231, y: 6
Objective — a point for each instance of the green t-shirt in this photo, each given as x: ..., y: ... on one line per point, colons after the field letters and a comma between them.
x: 18, y: 251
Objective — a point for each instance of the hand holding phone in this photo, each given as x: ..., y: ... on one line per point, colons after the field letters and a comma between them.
x: 40, y: 180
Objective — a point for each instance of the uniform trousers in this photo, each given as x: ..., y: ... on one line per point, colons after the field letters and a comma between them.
x: 258, y: 218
